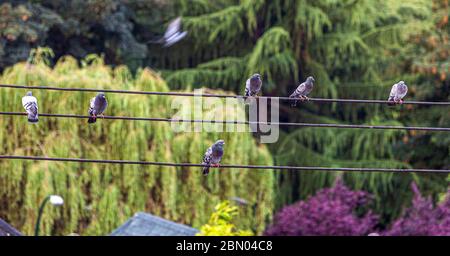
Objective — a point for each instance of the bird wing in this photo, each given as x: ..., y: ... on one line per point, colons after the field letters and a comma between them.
x: 174, y: 38
x: 28, y: 102
x: 247, y: 87
x: 91, y: 105
x: 174, y: 27
x: 31, y: 106
x: 393, y: 92
x: 308, y: 89
x: 208, y: 155
x: 301, y: 90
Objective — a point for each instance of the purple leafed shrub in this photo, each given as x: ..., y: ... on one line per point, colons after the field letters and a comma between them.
x: 422, y: 218
x: 331, y: 211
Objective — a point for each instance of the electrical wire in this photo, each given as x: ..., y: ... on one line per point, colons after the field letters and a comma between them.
x: 319, y: 125
x: 185, y: 94
x: 299, y: 168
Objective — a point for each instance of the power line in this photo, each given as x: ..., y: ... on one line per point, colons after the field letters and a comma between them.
x: 154, y: 119
x: 299, y: 168
x: 216, y: 95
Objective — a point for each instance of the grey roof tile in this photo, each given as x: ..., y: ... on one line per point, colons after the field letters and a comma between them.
x: 8, y: 230
x: 144, y: 224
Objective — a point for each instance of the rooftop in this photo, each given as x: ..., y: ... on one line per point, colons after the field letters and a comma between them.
x: 144, y: 224
x: 8, y: 230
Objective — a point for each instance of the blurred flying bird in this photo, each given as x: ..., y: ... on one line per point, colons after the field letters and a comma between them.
x: 97, y: 106
x: 30, y: 104
x: 213, y: 156
x: 398, y: 92
x: 253, y: 85
x: 303, y: 90
x: 172, y: 34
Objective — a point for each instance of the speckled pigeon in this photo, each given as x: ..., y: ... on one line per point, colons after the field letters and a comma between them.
x: 97, y: 106
x: 302, y: 90
x: 30, y: 105
x: 253, y: 85
x: 213, y: 156
x: 398, y: 92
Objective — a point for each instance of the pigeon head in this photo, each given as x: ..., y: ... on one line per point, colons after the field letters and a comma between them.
x: 402, y: 85
x: 219, y: 144
x: 310, y: 79
x: 29, y: 93
x: 256, y: 76
x: 101, y: 95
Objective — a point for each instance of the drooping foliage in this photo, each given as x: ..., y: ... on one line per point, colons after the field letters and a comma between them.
x: 98, y: 198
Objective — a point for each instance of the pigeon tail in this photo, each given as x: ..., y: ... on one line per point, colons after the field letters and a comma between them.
x: 155, y: 40
x: 32, y: 114
x: 293, y: 102
x: 33, y: 120
x: 205, y: 170
x: 391, y: 101
x: 92, y: 119
x: 247, y: 92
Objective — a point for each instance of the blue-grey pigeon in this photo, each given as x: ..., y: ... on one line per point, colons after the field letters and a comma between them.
x: 253, y: 85
x: 213, y: 156
x: 97, y: 106
x: 302, y: 90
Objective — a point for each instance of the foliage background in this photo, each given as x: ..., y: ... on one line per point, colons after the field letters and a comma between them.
x: 354, y: 49
x: 98, y: 198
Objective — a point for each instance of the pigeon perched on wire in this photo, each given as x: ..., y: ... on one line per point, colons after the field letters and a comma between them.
x: 302, y: 90
x: 172, y: 35
x: 97, y: 106
x: 213, y: 156
x: 30, y: 105
x: 398, y: 92
x: 253, y: 85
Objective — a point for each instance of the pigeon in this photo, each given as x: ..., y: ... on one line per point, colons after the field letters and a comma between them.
x: 97, y: 105
x: 172, y: 34
x: 302, y: 90
x: 30, y: 104
x: 398, y: 91
x: 253, y: 85
x: 213, y: 156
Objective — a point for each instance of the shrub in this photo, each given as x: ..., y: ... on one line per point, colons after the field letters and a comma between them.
x: 221, y: 222
x: 423, y: 218
x: 332, y: 211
